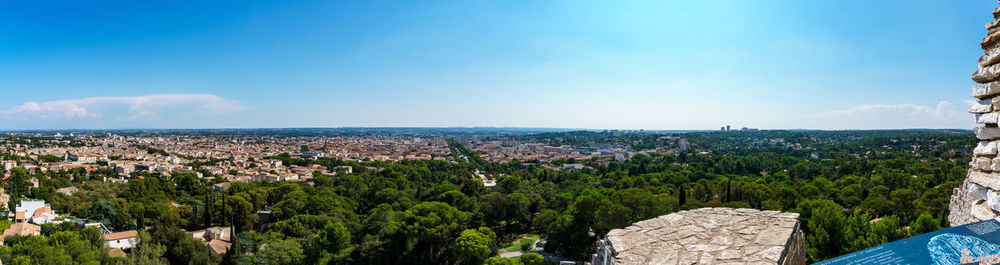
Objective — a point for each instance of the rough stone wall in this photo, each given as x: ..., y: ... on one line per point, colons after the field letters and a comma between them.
x: 977, y: 198
x: 707, y: 236
x: 796, y: 249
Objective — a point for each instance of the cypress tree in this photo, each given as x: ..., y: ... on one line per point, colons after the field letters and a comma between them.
x: 681, y: 196
x: 729, y: 184
x: 208, y: 209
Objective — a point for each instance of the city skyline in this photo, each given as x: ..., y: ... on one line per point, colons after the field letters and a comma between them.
x: 560, y: 64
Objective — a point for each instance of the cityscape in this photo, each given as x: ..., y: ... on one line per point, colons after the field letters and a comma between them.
x: 500, y: 132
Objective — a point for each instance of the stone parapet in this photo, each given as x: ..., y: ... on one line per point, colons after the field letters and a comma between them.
x: 707, y: 236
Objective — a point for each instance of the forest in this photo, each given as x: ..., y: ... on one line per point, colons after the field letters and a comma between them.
x: 853, y: 190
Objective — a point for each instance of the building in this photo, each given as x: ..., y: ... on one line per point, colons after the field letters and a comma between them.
x: 8, y: 165
x: 707, y: 236
x: 27, y: 208
x: 684, y: 145
x: 573, y: 167
x: 87, y: 158
x: 311, y: 154
x: 347, y: 169
x: 44, y: 215
x: 217, y: 238
x: 122, y: 240
x: 21, y: 229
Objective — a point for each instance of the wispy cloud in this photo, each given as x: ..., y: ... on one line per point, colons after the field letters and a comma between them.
x: 943, y: 114
x: 124, y: 108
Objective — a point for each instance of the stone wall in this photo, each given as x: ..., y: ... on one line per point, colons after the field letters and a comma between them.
x: 977, y: 198
x: 707, y: 236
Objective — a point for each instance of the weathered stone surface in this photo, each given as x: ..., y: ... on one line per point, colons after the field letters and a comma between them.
x: 984, y: 91
x: 707, y: 258
x: 981, y: 106
x: 987, y: 180
x: 991, y: 56
x: 988, y: 118
x: 986, y: 74
x: 707, y: 236
x: 993, y: 200
x: 985, y: 148
x: 986, y: 133
x: 989, y: 40
x: 982, y: 164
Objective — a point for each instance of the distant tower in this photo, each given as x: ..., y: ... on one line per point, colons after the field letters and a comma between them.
x: 727, y: 128
x: 978, y: 198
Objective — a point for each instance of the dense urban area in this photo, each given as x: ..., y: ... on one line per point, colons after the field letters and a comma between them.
x: 448, y: 196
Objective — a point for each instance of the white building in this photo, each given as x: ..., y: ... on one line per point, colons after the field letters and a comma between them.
x: 28, y: 207
x: 8, y: 165
x: 122, y: 240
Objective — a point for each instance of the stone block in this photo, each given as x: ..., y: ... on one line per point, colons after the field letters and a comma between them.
x: 987, y: 180
x: 989, y: 40
x: 982, y: 212
x: 986, y: 74
x: 984, y: 91
x: 976, y: 192
x: 991, y: 56
x: 981, y: 164
x: 985, y: 148
x: 981, y: 106
x: 986, y: 133
x: 993, y: 200
x: 988, y: 118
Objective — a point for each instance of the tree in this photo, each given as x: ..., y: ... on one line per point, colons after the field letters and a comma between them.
x: 923, y: 224
x: 500, y: 261
x: 281, y: 251
x: 333, y: 244
x: 532, y: 259
x: 473, y: 245
x: 903, y: 202
x: 242, y: 212
x: 681, y: 195
x: 434, y: 225
x: 826, y: 228
x: 147, y: 252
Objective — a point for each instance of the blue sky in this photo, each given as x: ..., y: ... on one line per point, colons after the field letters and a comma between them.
x: 568, y: 64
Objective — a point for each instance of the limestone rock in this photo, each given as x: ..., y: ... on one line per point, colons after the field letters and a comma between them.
x: 987, y: 133
x: 988, y: 118
x: 986, y: 74
x: 981, y: 163
x: 987, y: 180
x: 992, y: 56
x: 983, y: 91
x: 993, y: 200
x: 989, y: 40
x: 981, y: 106
x: 985, y: 148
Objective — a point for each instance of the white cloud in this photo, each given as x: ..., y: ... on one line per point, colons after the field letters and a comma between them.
x: 137, y: 107
x: 886, y: 116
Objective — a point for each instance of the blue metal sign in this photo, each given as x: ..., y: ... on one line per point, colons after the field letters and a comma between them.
x: 977, y: 243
